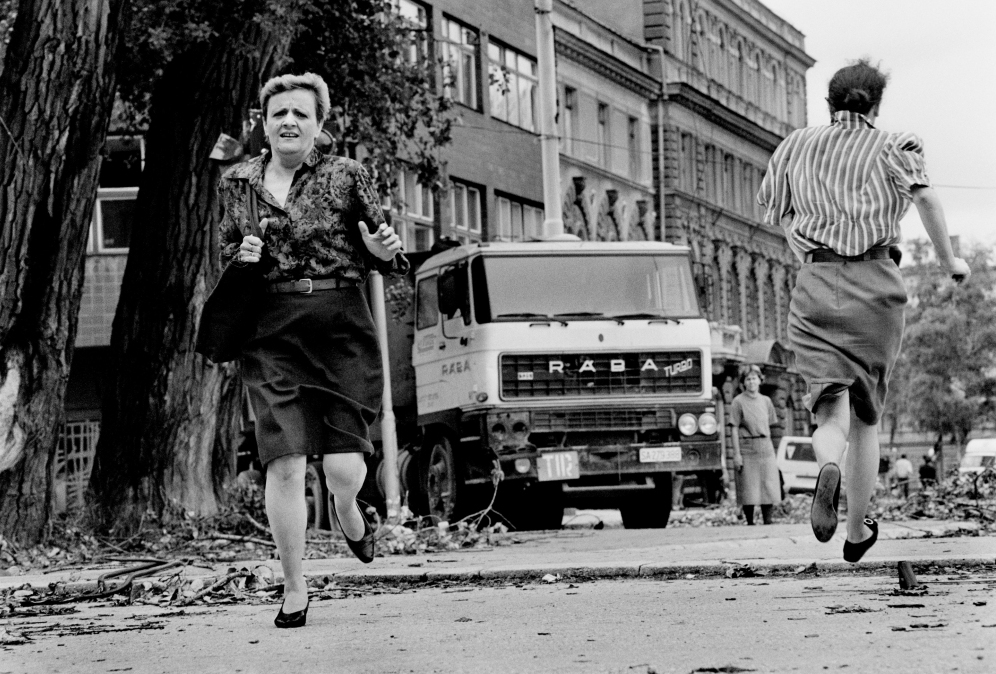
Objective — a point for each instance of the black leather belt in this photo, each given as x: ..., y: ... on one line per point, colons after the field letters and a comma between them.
x: 308, y: 285
x: 877, y: 253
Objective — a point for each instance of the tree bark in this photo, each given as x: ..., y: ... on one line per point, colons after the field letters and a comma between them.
x: 164, y: 445
x: 56, y: 91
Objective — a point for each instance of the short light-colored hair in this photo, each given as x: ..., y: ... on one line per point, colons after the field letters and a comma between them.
x: 308, y: 81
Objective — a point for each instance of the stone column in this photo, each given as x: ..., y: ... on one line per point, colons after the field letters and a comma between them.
x: 724, y: 257
x: 743, y: 258
x: 778, y: 277
x: 761, y: 268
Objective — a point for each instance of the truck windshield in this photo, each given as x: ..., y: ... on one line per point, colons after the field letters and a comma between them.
x: 584, y: 287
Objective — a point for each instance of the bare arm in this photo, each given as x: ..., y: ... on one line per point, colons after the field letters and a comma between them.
x: 928, y: 205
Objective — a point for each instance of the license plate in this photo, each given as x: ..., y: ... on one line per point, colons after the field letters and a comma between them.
x: 660, y: 454
x: 558, y: 466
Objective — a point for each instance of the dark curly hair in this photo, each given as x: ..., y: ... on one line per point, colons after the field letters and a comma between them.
x: 857, y: 87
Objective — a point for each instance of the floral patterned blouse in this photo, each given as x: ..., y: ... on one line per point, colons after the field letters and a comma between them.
x: 315, y: 234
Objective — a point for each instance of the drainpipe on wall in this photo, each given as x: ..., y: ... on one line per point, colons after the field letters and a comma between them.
x: 553, y: 226
x: 661, y: 100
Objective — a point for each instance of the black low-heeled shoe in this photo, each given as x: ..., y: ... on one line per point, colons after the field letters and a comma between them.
x: 295, y: 619
x: 823, y: 514
x: 363, y: 548
x: 853, y: 552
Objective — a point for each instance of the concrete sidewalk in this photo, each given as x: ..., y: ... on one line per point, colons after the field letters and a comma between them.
x: 607, y: 553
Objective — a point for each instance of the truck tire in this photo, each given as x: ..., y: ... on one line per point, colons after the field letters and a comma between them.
x: 536, y: 507
x: 442, y: 487
x: 315, y: 495
x: 651, y: 509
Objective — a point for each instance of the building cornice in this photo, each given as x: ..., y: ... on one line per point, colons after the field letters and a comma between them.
x: 575, y: 49
x: 766, y: 31
x: 691, y: 98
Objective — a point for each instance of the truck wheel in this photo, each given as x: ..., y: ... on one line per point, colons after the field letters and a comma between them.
x: 649, y: 510
x: 314, y: 495
x: 442, y: 487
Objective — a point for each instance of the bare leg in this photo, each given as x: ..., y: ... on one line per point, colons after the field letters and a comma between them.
x: 344, y: 475
x: 833, y: 418
x: 287, y: 512
x: 861, y: 471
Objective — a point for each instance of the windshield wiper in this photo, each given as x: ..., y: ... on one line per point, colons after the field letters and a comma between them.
x: 527, y: 314
x: 585, y: 314
x: 646, y: 315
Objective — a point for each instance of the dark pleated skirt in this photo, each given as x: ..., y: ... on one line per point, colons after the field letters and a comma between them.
x: 313, y: 373
x: 846, y: 327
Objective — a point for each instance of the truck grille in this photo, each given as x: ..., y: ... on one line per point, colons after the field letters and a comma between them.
x: 600, y: 374
x: 614, y: 419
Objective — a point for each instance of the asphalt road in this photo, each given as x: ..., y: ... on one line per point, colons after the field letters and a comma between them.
x: 844, y: 623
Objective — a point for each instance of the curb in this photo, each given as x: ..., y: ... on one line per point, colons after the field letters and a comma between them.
x: 588, y: 572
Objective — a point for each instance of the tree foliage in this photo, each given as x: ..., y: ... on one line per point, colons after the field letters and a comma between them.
x: 945, y: 380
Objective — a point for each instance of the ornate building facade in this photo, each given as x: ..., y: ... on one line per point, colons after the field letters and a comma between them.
x: 733, y: 76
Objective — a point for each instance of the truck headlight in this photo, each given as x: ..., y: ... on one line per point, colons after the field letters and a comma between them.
x: 707, y: 423
x: 687, y: 424
x: 522, y: 466
x: 498, y: 431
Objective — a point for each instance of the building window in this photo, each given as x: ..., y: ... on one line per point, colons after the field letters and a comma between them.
x: 518, y: 220
x: 417, y: 16
x: 465, y: 212
x: 414, y: 214
x: 569, y: 118
x: 459, y: 48
x: 729, y: 192
x: 513, y: 82
x: 604, y: 136
x: 110, y: 230
x: 635, y: 156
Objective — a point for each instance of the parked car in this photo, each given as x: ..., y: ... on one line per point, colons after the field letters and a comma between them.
x: 797, y: 466
x: 980, y: 454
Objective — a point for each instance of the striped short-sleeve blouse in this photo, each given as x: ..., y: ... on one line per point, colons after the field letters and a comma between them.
x: 846, y: 186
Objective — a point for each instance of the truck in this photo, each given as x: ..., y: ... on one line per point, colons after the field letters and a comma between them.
x: 536, y: 376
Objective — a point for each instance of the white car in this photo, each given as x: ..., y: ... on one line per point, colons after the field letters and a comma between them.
x: 979, y: 455
x: 797, y: 464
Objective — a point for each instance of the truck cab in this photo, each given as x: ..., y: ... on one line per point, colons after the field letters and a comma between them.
x: 560, y: 373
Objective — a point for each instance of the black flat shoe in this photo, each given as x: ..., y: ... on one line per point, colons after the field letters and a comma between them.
x: 823, y: 514
x: 295, y: 619
x: 853, y: 552
x: 363, y: 548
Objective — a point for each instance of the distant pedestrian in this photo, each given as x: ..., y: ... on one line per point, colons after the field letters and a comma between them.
x: 312, y: 367
x: 753, y: 414
x: 928, y: 474
x: 903, y: 472
x: 839, y: 192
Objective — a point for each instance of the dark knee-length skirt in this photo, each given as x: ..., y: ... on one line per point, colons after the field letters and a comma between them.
x: 846, y: 327
x: 313, y: 372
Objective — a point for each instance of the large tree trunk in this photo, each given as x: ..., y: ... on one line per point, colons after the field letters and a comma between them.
x: 56, y: 91
x: 161, y: 431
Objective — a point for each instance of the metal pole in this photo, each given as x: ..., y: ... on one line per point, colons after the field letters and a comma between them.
x: 388, y: 428
x: 549, y: 139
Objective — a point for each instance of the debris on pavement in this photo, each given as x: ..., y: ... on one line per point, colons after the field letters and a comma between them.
x: 907, y: 579
x: 834, y: 610
x: 744, y: 571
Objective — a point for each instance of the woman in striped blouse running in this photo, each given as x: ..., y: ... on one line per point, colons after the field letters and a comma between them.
x: 839, y: 192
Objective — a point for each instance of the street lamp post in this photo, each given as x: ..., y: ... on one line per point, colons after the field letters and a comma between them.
x: 549, y: 140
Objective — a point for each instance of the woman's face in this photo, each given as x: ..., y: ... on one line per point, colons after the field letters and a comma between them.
x: 752, y: 382
x: 291, y: 123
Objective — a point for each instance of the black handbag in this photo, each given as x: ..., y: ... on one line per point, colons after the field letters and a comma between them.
x: 231, y: 311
